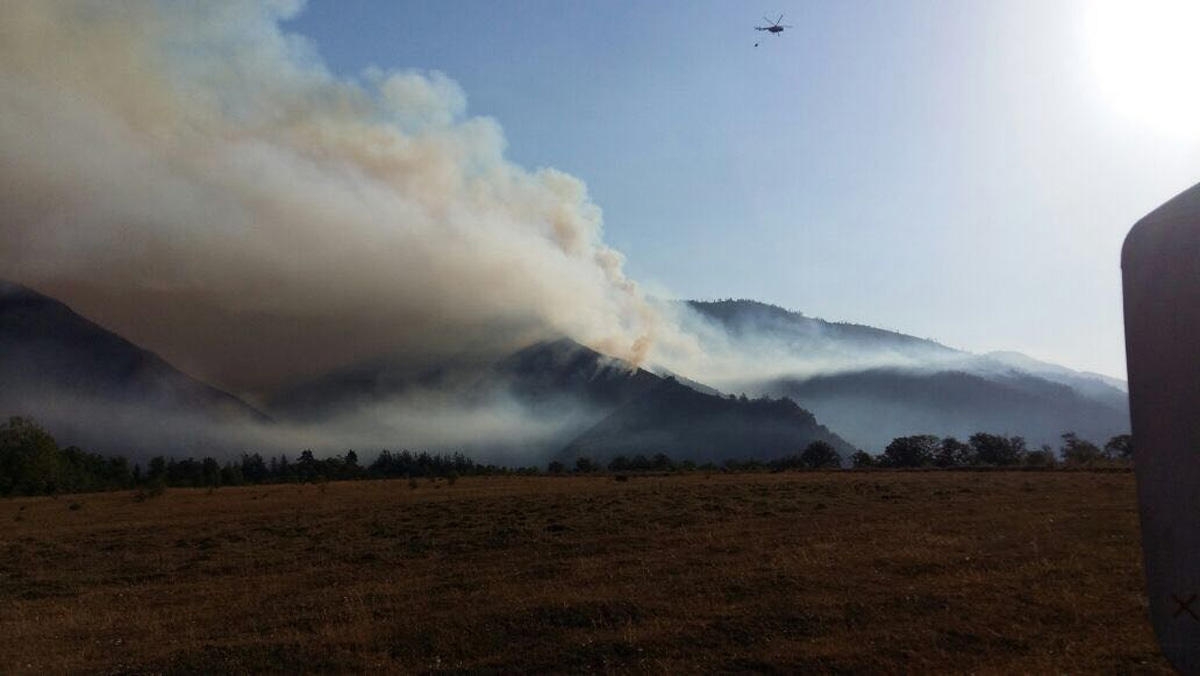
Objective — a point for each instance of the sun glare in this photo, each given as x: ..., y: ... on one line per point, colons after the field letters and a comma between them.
x: 1146, y: 56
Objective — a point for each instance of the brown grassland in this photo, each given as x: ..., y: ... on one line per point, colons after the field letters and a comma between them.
x: 790, y: 572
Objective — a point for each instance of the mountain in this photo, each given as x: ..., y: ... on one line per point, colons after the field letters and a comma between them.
x: 1094, y: 383
x: 547, y: 375
x: 752, y: 321
x: 545, y: 372
x: 604, y: 406
x: 682, y: 423
x: 92, y: 388
x: 874, y: 406
x: 876, y: 385
x: 523, y: 407
x: 82, y: 381
x: 556, y: 398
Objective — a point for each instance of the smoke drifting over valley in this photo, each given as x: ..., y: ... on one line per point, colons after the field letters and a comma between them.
x: 191, y: 176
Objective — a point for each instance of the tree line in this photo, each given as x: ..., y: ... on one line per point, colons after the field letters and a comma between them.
x: 31, y: 463
x: 993, y: 450
x: 816, y: 455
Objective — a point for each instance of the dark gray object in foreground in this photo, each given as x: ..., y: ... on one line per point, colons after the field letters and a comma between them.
x: 1160, y: 266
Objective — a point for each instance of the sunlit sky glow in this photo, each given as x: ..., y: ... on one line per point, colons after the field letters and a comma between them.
x: 1145, y: 58
x: 959, y: 171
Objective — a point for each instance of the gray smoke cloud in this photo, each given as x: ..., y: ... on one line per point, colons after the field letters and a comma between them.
x: 193, y: 177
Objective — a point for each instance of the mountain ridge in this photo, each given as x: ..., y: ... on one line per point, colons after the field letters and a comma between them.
x: 737, y: 314
x: 44, y: 344
x: 888, y: 384
x: 682, y: 423
x: 93, y: 388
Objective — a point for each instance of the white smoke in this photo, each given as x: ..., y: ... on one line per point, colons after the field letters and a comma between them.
x: 192, y: 176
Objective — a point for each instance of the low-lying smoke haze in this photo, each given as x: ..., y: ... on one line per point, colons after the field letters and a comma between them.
x: 192, y: 176
x: 497, y: 429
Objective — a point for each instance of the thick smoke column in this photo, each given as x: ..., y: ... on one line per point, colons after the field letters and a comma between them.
x: 193, y: 177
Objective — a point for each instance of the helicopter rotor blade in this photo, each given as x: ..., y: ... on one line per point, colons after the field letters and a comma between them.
x: 776, y: 22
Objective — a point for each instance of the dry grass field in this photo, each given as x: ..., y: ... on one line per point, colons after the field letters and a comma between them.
x: 791, y: 572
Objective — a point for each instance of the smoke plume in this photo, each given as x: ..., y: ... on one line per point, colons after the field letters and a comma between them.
x: 193, y: 177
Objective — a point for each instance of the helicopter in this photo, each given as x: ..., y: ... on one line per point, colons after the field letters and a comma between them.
x: 774, y: 27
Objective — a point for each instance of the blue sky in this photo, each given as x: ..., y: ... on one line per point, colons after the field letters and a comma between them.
x: 960, y: 171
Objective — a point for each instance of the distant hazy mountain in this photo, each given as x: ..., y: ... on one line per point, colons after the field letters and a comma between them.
x: 873, y: 407
x: 607, y: 406
x: 548, y: 371
x: 643, y: 413
x: 547, y: 375
x: 1099, y: 384
x: 83, y: 381
x: 883, y: 384
x: 752, y: 321
x: 528, y: 404
x: 676, y: 420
